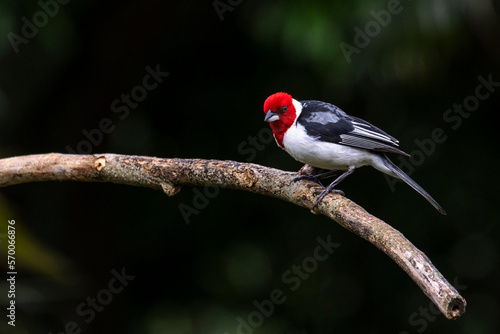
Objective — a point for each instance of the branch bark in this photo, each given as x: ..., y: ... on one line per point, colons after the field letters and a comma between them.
x: 169, y: 175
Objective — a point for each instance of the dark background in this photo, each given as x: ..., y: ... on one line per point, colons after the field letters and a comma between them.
x: 203, y: 276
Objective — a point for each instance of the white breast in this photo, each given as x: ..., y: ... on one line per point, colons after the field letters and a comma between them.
x: 322, y: 154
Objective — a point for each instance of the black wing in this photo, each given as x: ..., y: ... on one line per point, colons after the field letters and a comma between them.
x: 329, y: 123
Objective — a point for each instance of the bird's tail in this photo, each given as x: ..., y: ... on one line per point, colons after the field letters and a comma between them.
x: 402, y: 175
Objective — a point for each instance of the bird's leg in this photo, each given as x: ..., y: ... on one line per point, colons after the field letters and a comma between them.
x: 307, y: 174
x: 330, y: 187
x: 309, y: 170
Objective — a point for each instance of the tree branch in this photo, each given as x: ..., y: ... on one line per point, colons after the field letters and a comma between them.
x: 170, y: 174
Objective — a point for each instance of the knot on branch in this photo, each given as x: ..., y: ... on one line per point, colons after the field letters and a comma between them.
x: 170, y: 189
x: 100, y: 163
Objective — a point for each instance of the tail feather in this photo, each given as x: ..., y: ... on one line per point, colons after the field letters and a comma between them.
x: 402, y: 175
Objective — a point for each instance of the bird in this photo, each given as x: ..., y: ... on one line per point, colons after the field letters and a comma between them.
x: 322, y: 135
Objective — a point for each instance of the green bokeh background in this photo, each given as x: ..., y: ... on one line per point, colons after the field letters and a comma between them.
x: 203, y: 276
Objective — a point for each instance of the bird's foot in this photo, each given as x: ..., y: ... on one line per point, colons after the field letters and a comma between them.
x: 314, y: 178
x: 308, y: 172
x: 313, y: 174
x: 331, y: 186
x: 323, y: 192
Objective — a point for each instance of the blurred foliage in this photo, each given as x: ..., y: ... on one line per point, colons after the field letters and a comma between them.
x: 207, y: 276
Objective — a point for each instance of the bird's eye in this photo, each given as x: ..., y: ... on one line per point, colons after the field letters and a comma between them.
x: 285, y: 108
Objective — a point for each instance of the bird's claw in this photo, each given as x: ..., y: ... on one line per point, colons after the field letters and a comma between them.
x: 304, y: 174
x: 333, y: 191
x: 306, y: 177
x: 330, y: 188
x: 323, y: 193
